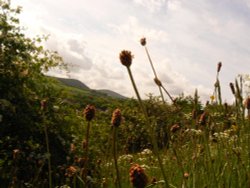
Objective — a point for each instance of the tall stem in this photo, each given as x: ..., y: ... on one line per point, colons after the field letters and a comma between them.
x: 115, y: 157
x: 48, y: 154
x: 168, y: 94
x: 155, y: 147
x: 86, y: 153
x: 152, y: 66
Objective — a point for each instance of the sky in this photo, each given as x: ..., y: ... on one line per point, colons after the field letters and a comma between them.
x: 185, y: 39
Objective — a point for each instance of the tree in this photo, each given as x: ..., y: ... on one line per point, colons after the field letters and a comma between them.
x: 23, y: 85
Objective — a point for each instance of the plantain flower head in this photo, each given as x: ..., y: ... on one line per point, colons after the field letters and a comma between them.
x: 89, y: 112
x: 219, y: 66
x: 158, y: 82
x: 116, y: 118
x: 143, y: 41
x: 138, y: 178
x: 126, y: 58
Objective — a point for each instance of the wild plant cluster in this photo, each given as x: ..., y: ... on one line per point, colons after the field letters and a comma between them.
x: 52, y: 137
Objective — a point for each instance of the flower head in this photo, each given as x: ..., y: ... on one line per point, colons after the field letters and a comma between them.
x: 232, y: 87
x: 219, y: 66
x: 158, y: 82
x: 70, y: 171
x: 247, y: 103
x: 143, y: 41
x: 116, y: 118
x: 174, y: 128
x: 126, y: 58
x: 138, y: 178
x: 89, y: 112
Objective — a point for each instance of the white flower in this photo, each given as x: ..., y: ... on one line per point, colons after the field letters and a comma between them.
x: 146, y: 152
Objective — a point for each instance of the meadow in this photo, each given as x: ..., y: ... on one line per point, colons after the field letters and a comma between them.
x: 52, y: 135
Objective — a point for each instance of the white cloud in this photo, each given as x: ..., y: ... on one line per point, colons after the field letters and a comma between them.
x: 133, y: 28
x: 186, y: 39
x: 152, y: 5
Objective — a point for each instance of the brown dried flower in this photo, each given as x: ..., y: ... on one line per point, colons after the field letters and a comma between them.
x: 203, y: 118
x: 15, y: 153
x: 232, y: 87
x: 143, y: 41
x: 116, y: 118
x: 158, y: 82
x: 71, y: 171
x: 174, y: 128
x: 219, y: 66
x: 186, y: 175
x: 89, y: 112
x: 247, y: 103
x: 126, y: 58
x: 138, y: 178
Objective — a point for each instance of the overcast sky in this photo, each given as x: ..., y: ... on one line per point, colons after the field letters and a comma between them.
x: 185, y: 38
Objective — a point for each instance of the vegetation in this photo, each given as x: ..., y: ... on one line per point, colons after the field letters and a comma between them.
x: 53, y: 135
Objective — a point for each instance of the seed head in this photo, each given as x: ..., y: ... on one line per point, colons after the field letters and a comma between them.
x: 116, y: 118
x: 43, y: 104
x: 138, y: 178
x: 143, y: 41
x: 247, y: 103
x: 126, y: 58
x: 232, y: 87
x: 70, y: 171
x: 186, y: 175
x: 174, y: 128
x: 219, y: 66
x: 89, y: 112
x: 158, y: 82
x: 16, y: 152
x: 203, y: 118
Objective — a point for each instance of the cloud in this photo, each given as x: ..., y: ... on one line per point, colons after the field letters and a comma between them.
x: 152, y: 5
x: 135, y: 29
x: 70, y: 47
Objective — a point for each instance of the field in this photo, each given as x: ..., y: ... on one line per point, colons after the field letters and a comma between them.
x: 54, y: 135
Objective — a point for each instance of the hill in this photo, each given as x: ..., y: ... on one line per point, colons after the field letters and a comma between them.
x: 79, y: 85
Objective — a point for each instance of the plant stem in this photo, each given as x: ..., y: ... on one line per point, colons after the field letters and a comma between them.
x: 155, y: 147
x: 152, y: 66
x: 48, y: 154
x: 86, y: 154
x: 115, y: 157
x: 168, y: 94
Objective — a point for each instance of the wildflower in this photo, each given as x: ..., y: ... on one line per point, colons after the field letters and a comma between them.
x: 15, y: 153
x: 84, y: 144
x: 247, y: 103
x: 212, y: 97
x: 43, y: 104
x: 186, y: 175
x: 138, y: 178
x: 158, y: 82
x: 116, y: 118
x: 146, y: 152
x: 203, y: 118
x: 143, y: 41
x: 89, y: 112
x: 72, y: 148
x: 232, y: 87
x: 219, y: 66
x: 174, y: 128
x: 126, y: 58
x: 71, y: 171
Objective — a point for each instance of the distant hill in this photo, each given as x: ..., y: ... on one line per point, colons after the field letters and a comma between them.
x: 79, y: 85
x: 73, y: 83
x: 111, y: 93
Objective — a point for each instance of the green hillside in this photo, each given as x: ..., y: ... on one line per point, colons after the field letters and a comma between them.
x: 73, y: 83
